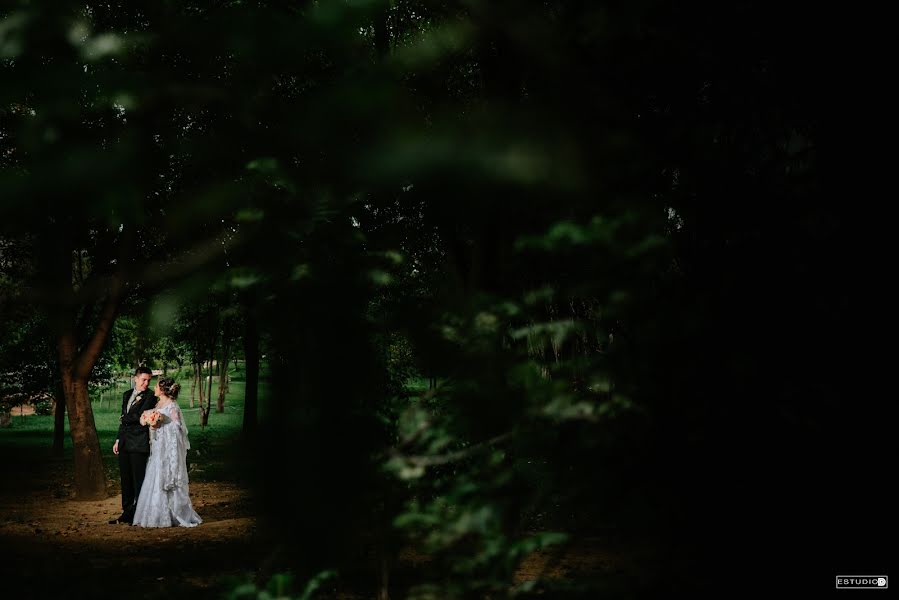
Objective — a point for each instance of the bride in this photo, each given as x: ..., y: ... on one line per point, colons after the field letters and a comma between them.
x: 164, y: 499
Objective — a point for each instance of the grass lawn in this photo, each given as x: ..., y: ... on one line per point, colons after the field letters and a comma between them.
x: 215, y: 450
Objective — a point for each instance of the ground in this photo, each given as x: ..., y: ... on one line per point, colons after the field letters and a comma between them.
x: 54, y: 545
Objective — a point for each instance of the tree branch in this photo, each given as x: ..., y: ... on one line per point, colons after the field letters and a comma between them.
x: 91, y: 352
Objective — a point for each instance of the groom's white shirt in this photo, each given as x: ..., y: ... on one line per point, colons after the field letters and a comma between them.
x: 131, y: 401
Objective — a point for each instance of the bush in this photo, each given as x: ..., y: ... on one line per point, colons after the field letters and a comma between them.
x: 44, y: 406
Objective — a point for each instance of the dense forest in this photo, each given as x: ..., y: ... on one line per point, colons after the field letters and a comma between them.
x: 499, y: 279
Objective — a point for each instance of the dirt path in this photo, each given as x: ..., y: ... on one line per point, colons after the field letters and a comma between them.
x: 58, y: 547
x: 52, y: 545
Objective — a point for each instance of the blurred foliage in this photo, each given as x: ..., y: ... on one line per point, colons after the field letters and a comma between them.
x: 595, y: 224
x: 281, y: 585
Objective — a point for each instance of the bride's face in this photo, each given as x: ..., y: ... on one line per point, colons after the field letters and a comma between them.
x: 156, y: 390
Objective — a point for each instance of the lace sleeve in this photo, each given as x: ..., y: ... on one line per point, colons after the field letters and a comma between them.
x: 178, y: 418
x: 176, y: 445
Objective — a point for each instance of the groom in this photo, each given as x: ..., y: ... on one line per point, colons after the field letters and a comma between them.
x: 133, y: 442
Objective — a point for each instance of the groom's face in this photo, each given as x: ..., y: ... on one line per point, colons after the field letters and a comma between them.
x: 141, y: 381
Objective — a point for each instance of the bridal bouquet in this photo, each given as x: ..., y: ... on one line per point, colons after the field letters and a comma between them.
x: 150, y: 417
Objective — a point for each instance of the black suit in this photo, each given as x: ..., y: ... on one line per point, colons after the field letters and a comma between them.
x: 134, y: 449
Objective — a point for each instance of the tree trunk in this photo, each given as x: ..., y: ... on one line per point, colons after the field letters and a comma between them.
x: 204, y: 418
x: 223, y: 376
x: 206, y: 396
x: 75, y: 366
x: 139, y: 349
x: 59, y: 423
x: 193, y: 384
x: 90, y: 479
x: 223, y: 367
x: 251, y: 360
x: 207, y: 407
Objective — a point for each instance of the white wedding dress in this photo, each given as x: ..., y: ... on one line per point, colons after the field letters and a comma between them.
x: 164, y: 498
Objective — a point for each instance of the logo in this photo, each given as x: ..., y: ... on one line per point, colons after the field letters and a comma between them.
x: 862, y: 582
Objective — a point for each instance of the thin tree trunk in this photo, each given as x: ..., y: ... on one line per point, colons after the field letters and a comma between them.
x: 223, y: 367
x: 208, y: 381
x: 251, y: 360
x: 59, y: 422
x: 208, y: 394
x: 193, y: 384
x: 202, y: 389
x: 139, y: 349
x: 223, y: 386
x: 227, y: 351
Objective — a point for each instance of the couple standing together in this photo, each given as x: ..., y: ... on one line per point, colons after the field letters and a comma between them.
x: 152, y: 451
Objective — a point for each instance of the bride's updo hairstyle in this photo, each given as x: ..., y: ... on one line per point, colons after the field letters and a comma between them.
x: 168, y: 387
